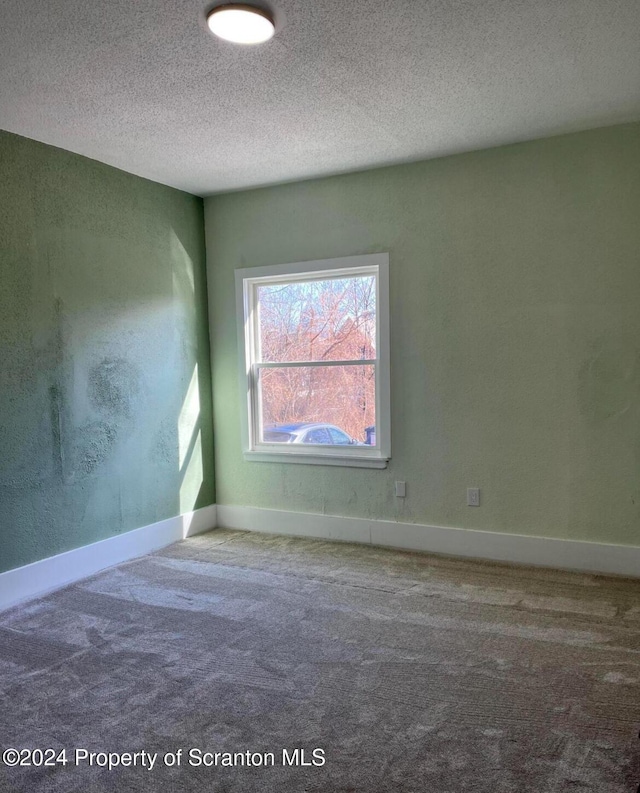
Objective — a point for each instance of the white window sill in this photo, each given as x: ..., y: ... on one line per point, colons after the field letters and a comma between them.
x: 350, y: 461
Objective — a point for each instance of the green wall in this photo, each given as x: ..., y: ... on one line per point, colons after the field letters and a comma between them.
x: 515, y: 310
x: 105, y: 420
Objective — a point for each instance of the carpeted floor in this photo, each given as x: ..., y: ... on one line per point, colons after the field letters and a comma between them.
x: 411, y: 673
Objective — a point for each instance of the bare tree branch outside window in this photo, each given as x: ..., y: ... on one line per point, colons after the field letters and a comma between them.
x: 324, y: 320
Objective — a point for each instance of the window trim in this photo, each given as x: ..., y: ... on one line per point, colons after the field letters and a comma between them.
x: 356, y: 456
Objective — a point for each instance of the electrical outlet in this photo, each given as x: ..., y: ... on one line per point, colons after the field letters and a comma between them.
x: 401, y: 489
x: 473, y: 496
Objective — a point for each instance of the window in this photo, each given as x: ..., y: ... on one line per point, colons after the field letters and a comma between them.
x: 314, y: 341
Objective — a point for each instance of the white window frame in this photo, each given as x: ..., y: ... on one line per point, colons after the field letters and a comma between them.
x: 247, y: 281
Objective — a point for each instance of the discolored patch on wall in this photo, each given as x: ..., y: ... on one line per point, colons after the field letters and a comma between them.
x: 165, y: 443
x: 55, y: 418
x: 114, y: 387
x: 93, y: 444
x: 56, y: 346
x: 609, y: 382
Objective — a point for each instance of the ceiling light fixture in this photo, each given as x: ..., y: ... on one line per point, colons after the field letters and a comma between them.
x: 242, y: 24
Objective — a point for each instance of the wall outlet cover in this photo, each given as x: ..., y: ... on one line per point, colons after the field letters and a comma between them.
x: 473, y: 496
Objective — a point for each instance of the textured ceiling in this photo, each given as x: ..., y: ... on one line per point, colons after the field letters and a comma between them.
x: 344, y: 85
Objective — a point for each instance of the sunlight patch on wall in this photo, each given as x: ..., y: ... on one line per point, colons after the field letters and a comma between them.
x: 183, y: 265
x: 190, y: 446
x: 188, y: 418
x: 192, y: 477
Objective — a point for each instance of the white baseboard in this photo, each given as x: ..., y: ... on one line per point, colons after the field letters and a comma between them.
x: 593, y: 557
x: 44, y: 576
x: 41, y: 577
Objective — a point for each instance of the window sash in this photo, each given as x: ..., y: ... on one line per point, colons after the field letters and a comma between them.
x: 256, y: 405
x: 252, y: 303
x: 294, y: 364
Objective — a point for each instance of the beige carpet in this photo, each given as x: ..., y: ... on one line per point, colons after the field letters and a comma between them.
x: 410, y: 672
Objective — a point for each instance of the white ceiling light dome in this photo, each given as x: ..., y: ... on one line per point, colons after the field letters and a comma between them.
x: 241, y: 24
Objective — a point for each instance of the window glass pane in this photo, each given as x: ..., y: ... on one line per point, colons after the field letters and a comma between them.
x: 338, y: 437
x: 275, y: 436
x: 294, y: 399
x: 317, y: 435
x: 332, y: 319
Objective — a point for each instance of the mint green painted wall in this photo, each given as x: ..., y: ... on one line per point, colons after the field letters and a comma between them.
x: 515, y: 310
x: 102, y: 327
